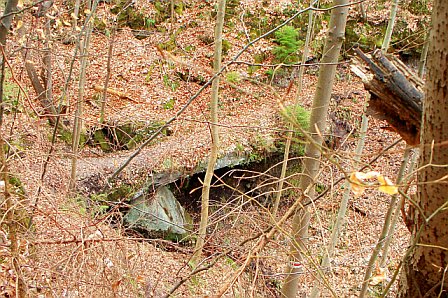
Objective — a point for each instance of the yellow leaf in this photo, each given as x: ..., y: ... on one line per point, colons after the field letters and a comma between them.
x: 386, y: 186
x: 20, y: 4
x: 379, y: 277
x: 356, y: 183
x: 19, y: 24
x: 368, y: 175
x: 87, y: 11
x: 73, y: 16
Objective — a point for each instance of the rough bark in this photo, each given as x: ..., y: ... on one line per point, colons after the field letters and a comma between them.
x: 424, y: 272
x: 312, y: 150
x: 396, y: 95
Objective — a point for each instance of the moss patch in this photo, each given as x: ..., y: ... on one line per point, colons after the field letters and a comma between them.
x: 123, y: 136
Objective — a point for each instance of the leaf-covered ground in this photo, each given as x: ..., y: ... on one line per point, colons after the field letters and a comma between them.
x: 75, y: 251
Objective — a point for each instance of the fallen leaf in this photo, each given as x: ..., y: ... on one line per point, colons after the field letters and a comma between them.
x: 379, y: 277
x: 356, y: 184
x: 386, y: 186
x: 115, y: 285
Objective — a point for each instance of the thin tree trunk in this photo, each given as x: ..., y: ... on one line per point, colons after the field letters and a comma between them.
x: 340, y: 219
x: 388, y: 226
x: 48, y: 79
x: 397, y: 212
x: 362, y: 10
x: 173, y: 18
x: 214, y: 134
x: 312, y: 151
x: 108, y: 71
x: 386, y: 230
x: 289, y: 135
x: 77, y: 128
x: 422, y: 62
x: 390, y: 26
x: 424, y: 271
x: 75, y: 15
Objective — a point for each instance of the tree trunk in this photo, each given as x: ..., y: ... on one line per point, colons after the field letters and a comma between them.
x: 214, y: 132
x: 390, y: 27
x: 312, y: 151
x: 424, y: 271
x: 279, y: 191
x: 77, y: 127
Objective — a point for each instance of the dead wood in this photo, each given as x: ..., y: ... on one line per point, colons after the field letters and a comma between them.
x: 396, y: 94
x: 111, y: 91
x: 40, y: 91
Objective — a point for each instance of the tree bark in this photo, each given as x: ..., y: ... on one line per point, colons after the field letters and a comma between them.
x: 396, y: 94
x: 424, y: 271
x: 214, y: 132
x: 312, y: 150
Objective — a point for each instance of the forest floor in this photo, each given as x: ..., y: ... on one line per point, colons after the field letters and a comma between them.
x: 75, y: 251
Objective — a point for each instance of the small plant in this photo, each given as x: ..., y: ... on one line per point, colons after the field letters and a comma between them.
x: 190, y: 48
x: 288, y: 45
x: 233, y: 77
x: 173, y: 85
x: 298, y: 115
x: 150, y: 23
x: 169, y: 104
x: 226, y: 46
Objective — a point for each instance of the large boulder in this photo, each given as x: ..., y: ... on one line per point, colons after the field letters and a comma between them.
x: 159, y: 214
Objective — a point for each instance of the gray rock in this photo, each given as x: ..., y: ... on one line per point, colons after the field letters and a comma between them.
x: 157, y: 213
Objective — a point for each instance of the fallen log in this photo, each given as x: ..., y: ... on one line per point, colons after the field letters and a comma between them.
x: 396, y: 93
x: 111, y: 91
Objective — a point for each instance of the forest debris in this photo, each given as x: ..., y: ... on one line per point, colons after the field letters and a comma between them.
x: 396, y: 93
x: 120, y: 94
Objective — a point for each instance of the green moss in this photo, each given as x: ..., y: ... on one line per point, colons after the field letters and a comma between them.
x: 226, y: 46
x: 16, y: 185
x: 99, y: 139
x: 121, y: 193
x: 418, y: 7
x: 163, y: 9
x: 233, y: 77
x: 66, y: 135
x: 10, y: 99
x: 129, y: 16
x: 130, y: 135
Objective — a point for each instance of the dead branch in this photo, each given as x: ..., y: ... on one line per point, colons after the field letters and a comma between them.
x: 111, y: 91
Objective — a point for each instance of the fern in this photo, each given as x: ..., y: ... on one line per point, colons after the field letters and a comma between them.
x: 288, y: 45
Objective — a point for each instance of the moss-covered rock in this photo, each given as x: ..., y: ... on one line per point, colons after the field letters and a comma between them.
x: 129, y: 16
x: 163, y: 9
x: 122, y: 136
